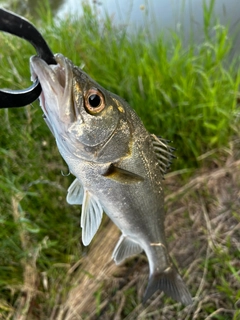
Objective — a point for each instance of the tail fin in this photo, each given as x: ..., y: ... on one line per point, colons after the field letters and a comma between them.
x: 171, y: 283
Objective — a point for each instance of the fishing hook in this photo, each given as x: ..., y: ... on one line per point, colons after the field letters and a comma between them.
x: 20, y: 27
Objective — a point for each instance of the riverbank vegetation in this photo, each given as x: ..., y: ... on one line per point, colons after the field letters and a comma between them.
x: 187, y: 93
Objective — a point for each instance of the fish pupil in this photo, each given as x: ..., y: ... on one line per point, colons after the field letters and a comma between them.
x: 94, y: 100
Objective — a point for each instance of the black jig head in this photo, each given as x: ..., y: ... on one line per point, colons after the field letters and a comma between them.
x: 20, y: 27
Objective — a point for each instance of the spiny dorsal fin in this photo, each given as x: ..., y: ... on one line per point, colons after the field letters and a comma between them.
x: 91, y: 217
x: 125, y: 248
x: 163, y: 152
x: 75, y: 193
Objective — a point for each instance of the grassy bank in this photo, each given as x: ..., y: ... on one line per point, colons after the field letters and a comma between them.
x: 185, y: 94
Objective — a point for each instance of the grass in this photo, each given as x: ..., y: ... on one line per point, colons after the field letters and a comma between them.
x: 185, y: 94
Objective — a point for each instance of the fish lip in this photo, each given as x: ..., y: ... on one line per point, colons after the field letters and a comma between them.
x: 56, y: 81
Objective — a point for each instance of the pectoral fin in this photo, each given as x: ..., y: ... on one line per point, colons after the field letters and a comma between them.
x: 125, y: 248
x: 122, y: 175
x: 75, y: 193
x: 91, y: 217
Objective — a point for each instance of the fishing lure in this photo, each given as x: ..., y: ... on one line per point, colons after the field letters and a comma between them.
x: 20, y: 27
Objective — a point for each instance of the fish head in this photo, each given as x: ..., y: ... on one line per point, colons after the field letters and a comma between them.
x: 86, y: 120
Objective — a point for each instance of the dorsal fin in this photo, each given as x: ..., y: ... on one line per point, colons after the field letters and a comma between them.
x: 163, y: 152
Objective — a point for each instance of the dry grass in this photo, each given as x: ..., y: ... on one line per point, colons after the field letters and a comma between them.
x: 203, y: 228
x: 202, y: 221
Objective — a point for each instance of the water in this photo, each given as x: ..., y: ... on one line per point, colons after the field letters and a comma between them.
x: 162, y: 14
x: 185, y: 16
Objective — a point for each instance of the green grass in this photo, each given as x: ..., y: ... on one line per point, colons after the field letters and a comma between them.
x: 185, y: 94
x: 172, y: 88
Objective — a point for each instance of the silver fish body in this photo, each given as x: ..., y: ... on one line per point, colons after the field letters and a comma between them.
x: 118, y: 167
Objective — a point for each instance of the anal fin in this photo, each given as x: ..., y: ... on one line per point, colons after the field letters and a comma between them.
x: 125, y: 248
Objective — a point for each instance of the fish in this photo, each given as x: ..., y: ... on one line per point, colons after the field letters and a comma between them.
x: 118, y: 167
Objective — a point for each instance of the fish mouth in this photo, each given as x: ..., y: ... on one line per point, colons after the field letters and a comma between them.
x: 56, y: 98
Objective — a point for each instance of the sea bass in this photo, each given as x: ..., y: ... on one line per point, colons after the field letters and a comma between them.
x: 118, y: 166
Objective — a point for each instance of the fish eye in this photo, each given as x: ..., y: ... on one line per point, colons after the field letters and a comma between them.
x: 94, y: 101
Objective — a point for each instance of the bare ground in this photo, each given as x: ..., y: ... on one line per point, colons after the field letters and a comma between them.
x: 203, y: 229
x: 203, y: 226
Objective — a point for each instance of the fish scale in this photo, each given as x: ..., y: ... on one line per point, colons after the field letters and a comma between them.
x: 118, y: 165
